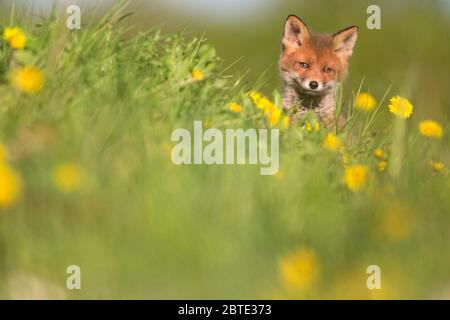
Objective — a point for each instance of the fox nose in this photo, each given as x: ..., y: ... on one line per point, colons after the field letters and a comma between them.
x: 313, y: 85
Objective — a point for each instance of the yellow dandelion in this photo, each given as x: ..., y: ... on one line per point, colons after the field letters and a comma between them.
x: 355, y: 177
x: 197, y: 75
x: 345, y: 159
x: 308, y: 126
x: 431, y: 129
x: 331, y: 142
x: 235, y: 107
x: 365, y: 102
x: 312, y: 127
x: 267, y: 106
x: 286, y: 122
x: 401, y: 107
x: 381, y: 165
x: 437, y: 166
x: 316, y: 126
x: 255, y: 96
x: 10, y: 186
x: 67, y: 177
x: 262, y: 102
x: 300, y: 269
x: 15, y: 37
x: 274, y: 117
x: 28, y: 79
x: 379, y: 154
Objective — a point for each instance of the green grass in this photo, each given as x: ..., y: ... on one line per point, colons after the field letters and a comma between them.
x: 141, y: 227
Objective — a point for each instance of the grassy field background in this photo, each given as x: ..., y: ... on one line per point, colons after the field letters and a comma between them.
x: 86, y: 176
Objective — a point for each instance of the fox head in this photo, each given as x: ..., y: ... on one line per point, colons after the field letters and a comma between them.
x: 314, y: 63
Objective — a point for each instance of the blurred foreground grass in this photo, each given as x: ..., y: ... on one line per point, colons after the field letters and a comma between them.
x: 86, y: 179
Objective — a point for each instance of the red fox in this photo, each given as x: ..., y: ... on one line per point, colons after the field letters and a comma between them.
x: 312, y: 65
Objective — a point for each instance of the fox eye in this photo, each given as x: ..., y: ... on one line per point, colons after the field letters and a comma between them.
x: 303, y: 65
x: 327, y: 69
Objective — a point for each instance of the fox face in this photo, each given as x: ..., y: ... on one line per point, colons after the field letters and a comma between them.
x: 314, y: 63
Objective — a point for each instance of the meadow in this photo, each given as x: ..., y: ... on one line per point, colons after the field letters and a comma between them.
x: 86, y: 177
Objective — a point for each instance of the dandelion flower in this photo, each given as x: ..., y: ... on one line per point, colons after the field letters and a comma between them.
x: 28, y: 79
x: 271, y: 111
x: 381, y: 165
x: 10, y: 185
x: 300, y: 269
x: 437, y: 166
x: 365, y: 102
x: 431, y: 129
x: 255, y: 96
x: 379, y: 154
x: 279, y: 175
x: 286, y: 122
x: 235, y: 107
x: 67, y: 177
x: 15, y: 37
x: 397, y: 221
x: 331, y: 142
x: 197, y: 75
x: 401, y: 107
x: 355, y: 177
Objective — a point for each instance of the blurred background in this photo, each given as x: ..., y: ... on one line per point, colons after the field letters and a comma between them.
x: 411, y: 47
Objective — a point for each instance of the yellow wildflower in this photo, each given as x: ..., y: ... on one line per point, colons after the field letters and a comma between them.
x: 274, y: 117
x: 379, y: 154
x: 300, y: 269
x: 431, y: 129
x: 197, y: 75
x: 2, y: 153
x: 271, y: 111
x: 262, y: 102
x: 364, y: 101
x: 279, y: 175
x: 10, y: 185
x: 15, y: 37
x: 355, y: 177
x: 401, y: 107
x: 235, y: 107
x: 286, y: 122
x: 67, y: 177
x: 28, y: 79
x: 331, y: 142
x: 381, y: 165
x: 437, y: 166
x: 267, y: 106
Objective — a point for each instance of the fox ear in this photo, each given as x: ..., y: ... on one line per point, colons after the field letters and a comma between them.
x: 344, y: 41
x: 296, y: 33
